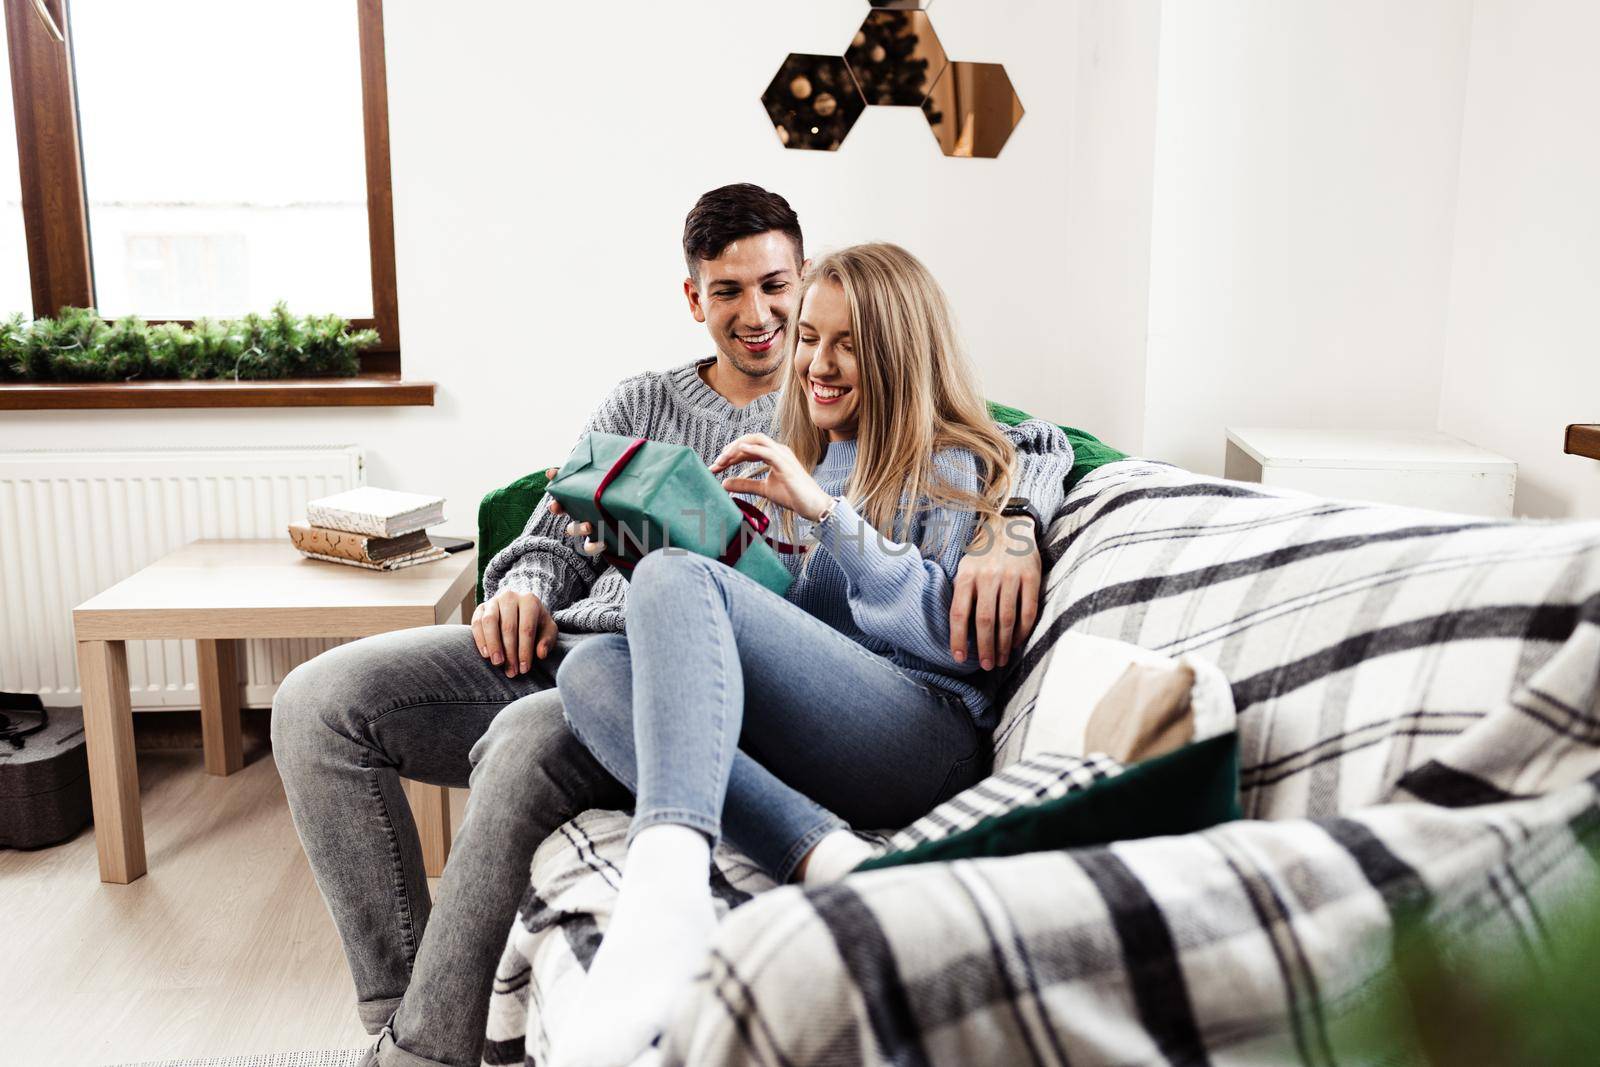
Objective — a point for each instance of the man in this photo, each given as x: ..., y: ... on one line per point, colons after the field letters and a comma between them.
x: 459, y: 706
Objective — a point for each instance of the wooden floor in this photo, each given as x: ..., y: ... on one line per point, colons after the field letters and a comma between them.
x: 224, y: 948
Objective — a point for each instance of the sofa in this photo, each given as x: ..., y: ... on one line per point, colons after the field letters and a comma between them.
x: 1418, y: 729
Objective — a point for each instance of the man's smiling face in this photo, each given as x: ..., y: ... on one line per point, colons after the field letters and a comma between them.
x: 745, y: 297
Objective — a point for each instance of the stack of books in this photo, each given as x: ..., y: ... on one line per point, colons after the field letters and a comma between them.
x: 379, y: 529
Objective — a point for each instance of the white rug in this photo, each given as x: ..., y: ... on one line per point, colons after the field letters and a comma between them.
x: 338, y: 1058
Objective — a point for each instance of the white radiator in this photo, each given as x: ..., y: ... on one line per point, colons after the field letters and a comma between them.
x: 73, y: 523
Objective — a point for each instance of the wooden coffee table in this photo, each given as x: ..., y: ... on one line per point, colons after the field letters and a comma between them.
x: 214, y: 593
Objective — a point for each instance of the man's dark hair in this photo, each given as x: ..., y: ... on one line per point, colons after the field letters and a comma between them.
x: 732, y: 212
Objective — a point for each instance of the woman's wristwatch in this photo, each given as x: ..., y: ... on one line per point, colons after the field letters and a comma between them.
x: 1021, y: 506
x: 826, y: 513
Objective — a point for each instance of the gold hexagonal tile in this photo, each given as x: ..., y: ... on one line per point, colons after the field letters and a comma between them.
x: 896, y: 58
x: 813, y: 102
x: 972, y: 109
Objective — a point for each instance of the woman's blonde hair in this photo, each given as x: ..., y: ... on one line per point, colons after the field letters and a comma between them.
x: 917, y: 392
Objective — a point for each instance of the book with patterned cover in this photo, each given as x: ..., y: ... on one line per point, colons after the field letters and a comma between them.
x: 427, y: 555
x: 363, y: 548
x: 379, y: 512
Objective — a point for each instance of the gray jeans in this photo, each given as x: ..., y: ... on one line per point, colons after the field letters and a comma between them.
x: 424, y: 704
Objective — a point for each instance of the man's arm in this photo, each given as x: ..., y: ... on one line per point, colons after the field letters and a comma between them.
x: 540, y: 561
x: 1044, y: 459
x: 998, y: 581
x: 541, y: 572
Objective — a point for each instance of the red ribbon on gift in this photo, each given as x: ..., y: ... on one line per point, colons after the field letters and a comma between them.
x: 756, y: 521
x: 605, y: 515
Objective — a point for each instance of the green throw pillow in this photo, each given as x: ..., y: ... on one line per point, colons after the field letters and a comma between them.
x: 502, y: 514
x: 1088, y: 451
x: 1191, y: 789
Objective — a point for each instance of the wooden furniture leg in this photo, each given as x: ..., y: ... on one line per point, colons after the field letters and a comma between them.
x: 219, y: 705
x: 113, y: 772
x: 430, y: 807
x: 469, y: 604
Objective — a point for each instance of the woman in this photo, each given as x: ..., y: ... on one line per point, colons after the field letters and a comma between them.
x: 782, y: 721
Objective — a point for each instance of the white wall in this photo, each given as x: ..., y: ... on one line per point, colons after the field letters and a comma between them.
x: 544, y: 156
x: 1268, y: 189
x: 1305, y: 172
x: 1105, y: 262
x: 1523, y: 346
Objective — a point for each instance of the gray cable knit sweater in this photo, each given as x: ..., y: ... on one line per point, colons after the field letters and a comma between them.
x: 588, y: 596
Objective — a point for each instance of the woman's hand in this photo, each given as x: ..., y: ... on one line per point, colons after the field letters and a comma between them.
x: 785, y: 483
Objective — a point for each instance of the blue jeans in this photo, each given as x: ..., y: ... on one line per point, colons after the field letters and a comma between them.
x: 722, y: 691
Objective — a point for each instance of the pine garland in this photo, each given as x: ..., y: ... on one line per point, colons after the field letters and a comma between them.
x: 79, y: 346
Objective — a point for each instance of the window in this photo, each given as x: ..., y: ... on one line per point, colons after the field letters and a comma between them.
x: 198, y: 273
x: 228, y: 199
x: 186, y: 158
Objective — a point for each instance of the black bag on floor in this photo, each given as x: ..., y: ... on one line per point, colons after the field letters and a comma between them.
x: 44, y: 772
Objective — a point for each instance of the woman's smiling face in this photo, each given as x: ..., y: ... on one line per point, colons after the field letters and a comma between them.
x: 825, y: 360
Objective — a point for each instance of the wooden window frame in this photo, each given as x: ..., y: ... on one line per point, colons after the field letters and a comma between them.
x: 56, y: 223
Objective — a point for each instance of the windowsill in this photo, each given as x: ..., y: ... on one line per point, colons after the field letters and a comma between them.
x: 366, y: 390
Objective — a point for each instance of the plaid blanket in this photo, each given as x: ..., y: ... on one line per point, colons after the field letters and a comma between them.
x: 560, y: 920
x: 1419, y: 732
x: 576, y: 874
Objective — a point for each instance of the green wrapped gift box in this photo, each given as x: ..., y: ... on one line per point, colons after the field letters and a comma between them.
x: 643, y: 495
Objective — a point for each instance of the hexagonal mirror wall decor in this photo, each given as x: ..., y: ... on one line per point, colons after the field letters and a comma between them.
x: 894, y: 60
x: 896, y: 57
x: 973, y: 109
x: 813, y: 101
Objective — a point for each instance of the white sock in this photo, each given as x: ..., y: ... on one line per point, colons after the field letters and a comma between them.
x: 835, y: 856
x: 654, y: 945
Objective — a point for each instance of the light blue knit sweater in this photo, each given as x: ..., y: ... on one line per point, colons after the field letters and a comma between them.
x: 893, y: 597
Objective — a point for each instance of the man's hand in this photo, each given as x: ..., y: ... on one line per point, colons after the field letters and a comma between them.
x: 555, y: 505
x: 574, y: 529
x: 511, y: 629
x: 997, y: 587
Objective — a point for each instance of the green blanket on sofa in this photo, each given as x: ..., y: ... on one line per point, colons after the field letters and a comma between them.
x: 504, y: 512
